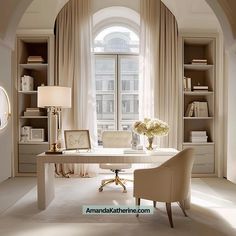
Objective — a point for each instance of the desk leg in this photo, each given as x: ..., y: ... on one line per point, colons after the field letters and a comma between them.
x: 45, y: 184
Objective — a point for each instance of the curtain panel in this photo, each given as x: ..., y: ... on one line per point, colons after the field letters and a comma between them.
x: 73, y: 68
x: 159, y: 90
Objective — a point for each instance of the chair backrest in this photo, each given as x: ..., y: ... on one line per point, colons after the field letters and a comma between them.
x: 181, y: 168
x: 116, y: 139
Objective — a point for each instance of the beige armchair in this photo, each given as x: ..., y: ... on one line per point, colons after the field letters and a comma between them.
x: 116, y: 139
x: 167, y: 183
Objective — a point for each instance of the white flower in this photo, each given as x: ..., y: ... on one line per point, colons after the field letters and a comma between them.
x: 151, y: 127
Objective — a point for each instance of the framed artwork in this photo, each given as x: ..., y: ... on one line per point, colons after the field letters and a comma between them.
x: 77, y: 139
x: 37, y: 135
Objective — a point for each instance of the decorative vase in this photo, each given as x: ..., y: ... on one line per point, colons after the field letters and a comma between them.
x: 150, y: 141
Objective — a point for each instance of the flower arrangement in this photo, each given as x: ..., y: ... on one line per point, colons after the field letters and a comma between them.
x: 151, y: 128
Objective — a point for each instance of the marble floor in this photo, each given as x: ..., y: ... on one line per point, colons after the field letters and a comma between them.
x: 213, y: 210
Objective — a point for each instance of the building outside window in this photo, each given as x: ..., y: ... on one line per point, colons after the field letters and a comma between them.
x: 117, y: 79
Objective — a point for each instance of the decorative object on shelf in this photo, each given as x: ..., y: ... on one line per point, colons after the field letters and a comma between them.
x: 36, y: 135
x: 151, y: 128
x: 5, y: 108
x: 77, y: 139
x: 25, y: 133
x: 27, y: 83
x: 54, y: 98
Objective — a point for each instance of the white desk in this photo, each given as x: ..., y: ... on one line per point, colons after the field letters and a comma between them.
x: 45, y: 165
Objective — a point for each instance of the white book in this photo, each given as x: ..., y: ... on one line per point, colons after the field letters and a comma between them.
x: 198, y: 133
x: 190, y: 110
x: 188, y: 84
x: 203, y: 109
x: 185, y: 84
x: 196, y: 109
x: 200, y: 87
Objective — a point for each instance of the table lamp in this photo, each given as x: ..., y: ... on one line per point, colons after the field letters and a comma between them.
x: 54, y: 98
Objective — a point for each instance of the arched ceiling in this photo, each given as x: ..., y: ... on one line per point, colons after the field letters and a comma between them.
x: 42, y: 13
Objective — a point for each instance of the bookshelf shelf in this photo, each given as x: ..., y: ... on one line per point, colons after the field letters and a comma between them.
x: 196, y: 144
x: 197, y: 103
x: 198, y: 118
x: 33, y: 117
x: 198, y: 67
x: 197, y: 93
x: 33, y: 143
x: 27, y: 92
x: 34, y: 66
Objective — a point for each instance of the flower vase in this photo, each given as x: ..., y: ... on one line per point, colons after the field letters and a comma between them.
x: 150, y: 142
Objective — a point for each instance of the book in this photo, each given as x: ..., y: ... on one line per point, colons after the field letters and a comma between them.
x: 203, y: 109
x: 33, y: 113
x: 190, y: 110
x: 35, y: 59
x: 199, y: 87
x: 199, y: 140
x: 196, y: 108
x: 32, y: 109
x: 198, y: 133
x: 188, y: 84
x: 185, y: 84
x: 199, y: 61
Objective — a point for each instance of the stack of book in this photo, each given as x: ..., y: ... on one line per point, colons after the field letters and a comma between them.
x: 187, y: 84
x: 199, y: 61
x: 35, y: 59
x: 198, y: 136
x: 33, y: 112
x: 197, y: 109
x: 200, y: 88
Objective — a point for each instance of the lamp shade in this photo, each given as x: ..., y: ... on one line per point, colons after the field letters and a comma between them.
x: 54, y: 96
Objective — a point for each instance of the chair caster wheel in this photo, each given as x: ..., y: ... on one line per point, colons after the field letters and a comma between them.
x: 125, y: 191
x: 100, y: 189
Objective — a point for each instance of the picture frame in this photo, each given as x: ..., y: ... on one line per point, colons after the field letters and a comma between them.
x: 77, y: 139
x: 37, y: 135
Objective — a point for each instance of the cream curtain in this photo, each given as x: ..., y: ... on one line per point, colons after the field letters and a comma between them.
x: 73, y: 68
x: 158, y: 59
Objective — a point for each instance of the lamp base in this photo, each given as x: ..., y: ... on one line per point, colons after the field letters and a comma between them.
x: 52, y: 152
x: 54, y: 149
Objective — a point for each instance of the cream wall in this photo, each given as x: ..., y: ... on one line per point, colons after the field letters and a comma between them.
x: 6, y: 147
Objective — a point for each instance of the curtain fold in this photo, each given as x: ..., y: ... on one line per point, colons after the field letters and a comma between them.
x: 158, y: 67
x: 73, y: 68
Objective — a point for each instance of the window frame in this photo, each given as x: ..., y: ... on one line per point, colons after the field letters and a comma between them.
x: 117, y: 86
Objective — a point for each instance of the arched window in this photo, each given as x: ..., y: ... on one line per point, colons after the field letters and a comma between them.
x: 116, y: 39
x: 116, y: 50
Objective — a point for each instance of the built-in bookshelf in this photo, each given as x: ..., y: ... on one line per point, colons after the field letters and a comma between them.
x: 33, y: 69
x: 198, y: 113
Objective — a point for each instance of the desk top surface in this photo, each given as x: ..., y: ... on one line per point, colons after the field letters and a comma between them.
x: 115, y: 152
x: 108, y: 155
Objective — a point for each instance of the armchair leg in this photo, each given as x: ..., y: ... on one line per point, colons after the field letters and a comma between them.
x: 169, y: 213
x: 181, y: 204
x: 137, y: 202
x: 154, y: 204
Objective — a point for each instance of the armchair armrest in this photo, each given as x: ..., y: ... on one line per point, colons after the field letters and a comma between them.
x: 153, y: 184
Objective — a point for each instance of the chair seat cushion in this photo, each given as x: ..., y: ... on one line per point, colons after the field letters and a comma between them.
x: 115, y: 166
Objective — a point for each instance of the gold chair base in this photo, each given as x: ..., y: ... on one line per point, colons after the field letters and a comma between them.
x: 117, y: 180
